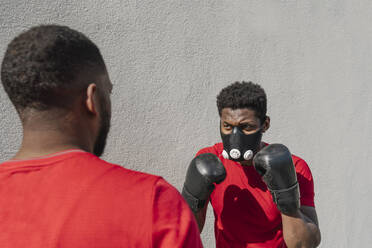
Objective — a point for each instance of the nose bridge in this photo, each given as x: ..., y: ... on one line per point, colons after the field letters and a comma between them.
x: 236, y: 130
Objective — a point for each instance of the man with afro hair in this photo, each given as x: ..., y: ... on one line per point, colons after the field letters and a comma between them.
x: 261, y: 194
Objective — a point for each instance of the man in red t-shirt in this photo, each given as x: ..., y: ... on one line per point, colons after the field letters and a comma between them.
x: 262, y: 196
x: 56, y: 191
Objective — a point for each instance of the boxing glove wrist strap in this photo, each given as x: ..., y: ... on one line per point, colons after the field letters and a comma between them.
x: 194, y: 203
x: 287, y: 200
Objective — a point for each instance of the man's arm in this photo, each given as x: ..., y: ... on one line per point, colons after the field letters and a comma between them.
x: 301, y: 228
x: 173, y: 224
x: 200, y: 216
x: 204, y: 171
x: 300, y: 225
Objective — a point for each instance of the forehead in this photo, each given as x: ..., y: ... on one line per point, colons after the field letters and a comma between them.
x: 239, y: 115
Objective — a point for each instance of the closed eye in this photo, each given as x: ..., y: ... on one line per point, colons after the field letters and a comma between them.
x: 248, y: 127
x: 227, y: 126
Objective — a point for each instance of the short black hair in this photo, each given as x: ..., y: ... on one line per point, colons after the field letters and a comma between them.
x: 41, y: 66
x: 240, y: 95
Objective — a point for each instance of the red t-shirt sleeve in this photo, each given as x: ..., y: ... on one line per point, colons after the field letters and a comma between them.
x: 173, y: 223
x: 306, y: 183
x: 205, y: 150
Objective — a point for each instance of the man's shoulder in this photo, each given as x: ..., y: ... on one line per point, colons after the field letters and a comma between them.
x: 298, y: 161
x: 119, y: 172
x: 108, y: 174
x: 301, y: 166
x: 215, y: 149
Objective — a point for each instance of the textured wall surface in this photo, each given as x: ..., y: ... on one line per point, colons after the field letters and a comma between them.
x: 169, y: 59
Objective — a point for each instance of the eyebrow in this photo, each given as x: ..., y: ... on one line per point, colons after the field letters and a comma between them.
x: 243, y: 122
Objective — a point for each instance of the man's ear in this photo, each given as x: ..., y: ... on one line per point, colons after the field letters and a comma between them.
x: 91, y: 99
x: 266, y: 124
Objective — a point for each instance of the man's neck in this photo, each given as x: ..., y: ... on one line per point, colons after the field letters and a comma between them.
x: 38, y: 143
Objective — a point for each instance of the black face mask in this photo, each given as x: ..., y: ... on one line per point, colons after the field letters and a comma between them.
x: 238, y: 146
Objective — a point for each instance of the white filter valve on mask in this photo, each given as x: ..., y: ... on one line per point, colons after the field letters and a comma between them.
x: 225, y: 155
x: 235, y: 153
x: 248, y: 155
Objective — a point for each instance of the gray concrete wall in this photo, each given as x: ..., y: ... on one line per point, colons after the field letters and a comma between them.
x: 169, y: 59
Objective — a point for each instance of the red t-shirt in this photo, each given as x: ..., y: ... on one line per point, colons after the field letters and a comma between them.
x: 245, y: 214
x: 74, y: 199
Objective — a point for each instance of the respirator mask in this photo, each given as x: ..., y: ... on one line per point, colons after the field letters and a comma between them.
x: 238, y: 146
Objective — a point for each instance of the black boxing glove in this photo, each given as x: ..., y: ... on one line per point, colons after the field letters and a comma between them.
x: 204, y: 170
x: 274, y: 163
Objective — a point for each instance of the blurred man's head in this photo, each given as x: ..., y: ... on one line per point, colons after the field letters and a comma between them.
x: 53, y: 74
